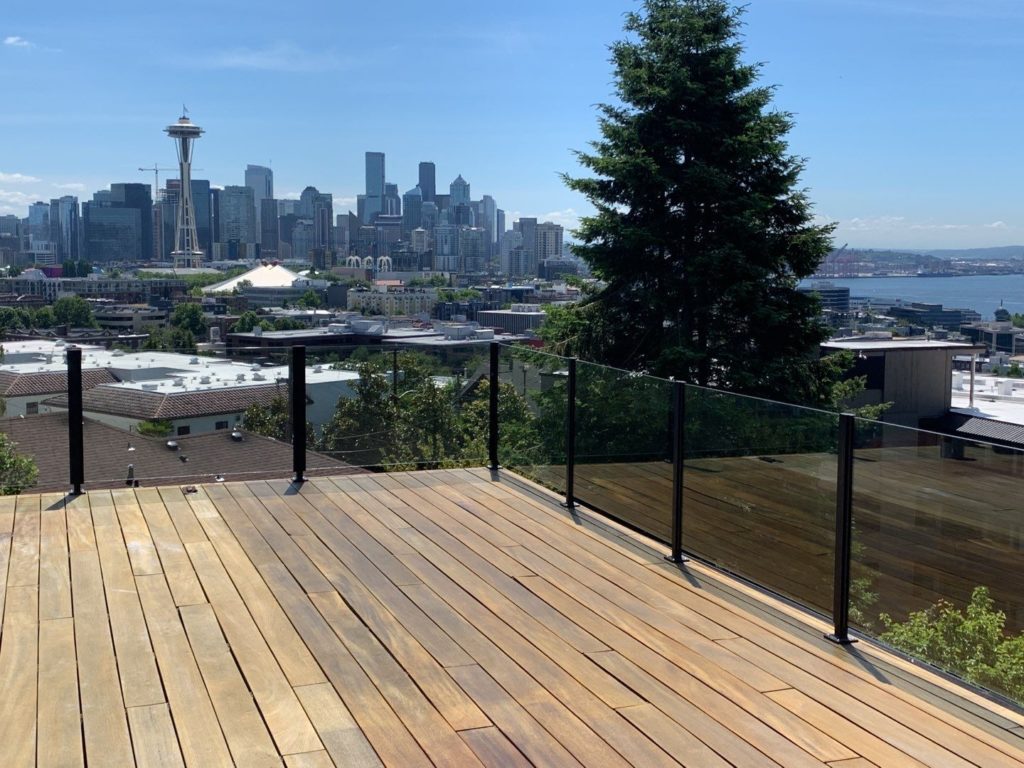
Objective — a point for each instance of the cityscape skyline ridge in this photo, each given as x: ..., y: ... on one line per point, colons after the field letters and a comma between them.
x: 905, y: 110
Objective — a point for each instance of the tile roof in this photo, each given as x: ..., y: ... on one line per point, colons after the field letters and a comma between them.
x: 45, y: 438
x: 13, y: 384
x: 140, y: 404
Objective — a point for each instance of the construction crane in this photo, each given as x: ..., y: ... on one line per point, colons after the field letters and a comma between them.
x: 156, y: 177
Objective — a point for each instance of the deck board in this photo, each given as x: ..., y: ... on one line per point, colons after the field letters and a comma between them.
x: 447, y: 617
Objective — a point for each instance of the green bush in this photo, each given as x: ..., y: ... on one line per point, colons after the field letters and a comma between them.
x: 971, y: 643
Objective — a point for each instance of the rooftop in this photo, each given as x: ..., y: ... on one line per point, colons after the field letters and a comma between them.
x: 445, y: 618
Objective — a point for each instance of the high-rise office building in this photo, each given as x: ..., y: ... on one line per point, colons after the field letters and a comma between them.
x: 472, y: 250
x: 261, y: 180
x: 323, y: 220
x: 392, y: 200
x: 412, y: 211
x: 39, y: 227
x: 499, y: 230
x: 512, y: 254
x: 549, y: 241
x: 459, y: 190
x: 117, y: 224
x: 428, y: 215
x: 374, y: 186
x: 303, y: 239
x: 528, y: 229
x: 388, y: 232
x: 237, y: 215
x: 65, y: 234
x: 140, y: 198
x: 488, y: 220
x: 428, y: 181
x: 268, y: 228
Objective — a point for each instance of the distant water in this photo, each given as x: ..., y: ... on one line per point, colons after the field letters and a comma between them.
x: 981, y: 293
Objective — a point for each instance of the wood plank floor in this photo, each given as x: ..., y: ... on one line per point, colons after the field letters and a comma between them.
x: 444, y: 618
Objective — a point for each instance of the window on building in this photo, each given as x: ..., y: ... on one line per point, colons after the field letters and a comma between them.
x: 184, y: 430
x: 221, y: 425
x: 31, y: 408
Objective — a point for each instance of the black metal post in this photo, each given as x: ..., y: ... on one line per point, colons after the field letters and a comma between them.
x: 678, y: 426
x: 844, y: 533
x: 492, y: 434
x: 394, y: 373
x: 297, y: 396
x: 570, y: 437
x: 76, y: 441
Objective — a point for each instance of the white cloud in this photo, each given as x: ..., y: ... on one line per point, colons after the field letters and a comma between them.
x: 15, y: 41
x: 17, y: 178
x: 997, y: 225
x: 72, y: 186
x: 279, y: 57
x: 16, y: 201
x: 567, y: 217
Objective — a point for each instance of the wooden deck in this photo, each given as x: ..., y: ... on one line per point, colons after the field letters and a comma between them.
x: 438, y: 618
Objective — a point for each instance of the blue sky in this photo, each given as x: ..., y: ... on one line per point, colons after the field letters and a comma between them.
x: 909, y: 112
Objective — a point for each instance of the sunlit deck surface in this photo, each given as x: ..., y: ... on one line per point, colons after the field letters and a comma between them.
x: 438, y: 618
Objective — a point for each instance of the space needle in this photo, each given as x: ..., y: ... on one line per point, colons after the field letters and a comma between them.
x: 186, y: 242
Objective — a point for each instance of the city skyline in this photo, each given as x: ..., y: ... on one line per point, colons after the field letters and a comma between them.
x: 905, y: 110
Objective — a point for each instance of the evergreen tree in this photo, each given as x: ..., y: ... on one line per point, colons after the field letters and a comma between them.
x: 700, y: 232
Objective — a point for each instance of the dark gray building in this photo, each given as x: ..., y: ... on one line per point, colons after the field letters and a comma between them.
x: 428, y: 181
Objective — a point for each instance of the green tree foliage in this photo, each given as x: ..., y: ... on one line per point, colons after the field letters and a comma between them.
x: 170, y: 339
x: 17, y: 472
x: 273, y: 420
x: 44, y: 318
x: 249, y: 320
x: 701, y: 233
x: 288, y: 324
x: 429, y: 423
x: 969, y: 642
x: 154, y: 428
x: 309, y: 300
x: 74, y: 312
x: 193, y: 281
x: 189, y: 317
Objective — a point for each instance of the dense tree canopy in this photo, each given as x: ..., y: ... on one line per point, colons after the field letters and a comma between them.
x: 701, y: 232
x: 73, y: 311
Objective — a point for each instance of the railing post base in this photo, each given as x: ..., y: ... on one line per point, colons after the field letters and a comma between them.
x: 677, y: 559
x: 831, y: 637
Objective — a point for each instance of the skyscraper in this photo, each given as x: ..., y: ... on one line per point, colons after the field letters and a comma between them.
x: 39, y: 227
x: 186, y: 241
x: 528, y: 229
x: 268, y: 228
x: 261, y: 180
x: 412, y: 211
x: 374, y: 186
x: 549, y: 241
x: 428, y: 181
x: 459, y: 190
x: 138, y: 197
x: 392, y: 200
x: 64, y: 228
x: 237, y: 215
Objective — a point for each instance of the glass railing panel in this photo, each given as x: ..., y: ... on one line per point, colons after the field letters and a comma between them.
x: 624, y: 446
x: 532, y: 414
x: 759, y: 491
x: 938, y: 551
x: 162, y: 416
x: 398, y: 408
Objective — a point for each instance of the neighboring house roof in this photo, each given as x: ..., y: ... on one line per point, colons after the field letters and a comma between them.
x: 140, y: 404
x: 990, y: 430
x: 14, y: 384
x: 45, y: 439
x: 263, y: 276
